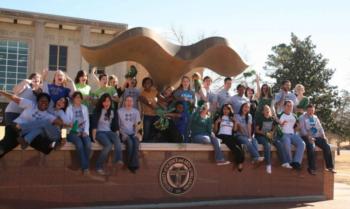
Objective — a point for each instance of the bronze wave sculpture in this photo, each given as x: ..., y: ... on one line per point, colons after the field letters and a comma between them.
x: 166, y: 62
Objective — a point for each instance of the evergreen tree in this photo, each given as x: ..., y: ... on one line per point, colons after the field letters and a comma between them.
x: 300, y: 63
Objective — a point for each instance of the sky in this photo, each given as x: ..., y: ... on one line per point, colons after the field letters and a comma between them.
x: 252, y: 27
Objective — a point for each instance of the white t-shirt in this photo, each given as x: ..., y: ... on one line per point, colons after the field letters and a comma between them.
x: 27, y: 93
x: 288, y: 128
x: 226, y: 126
x: 32, y: 113
x: 104, y: 123
x: 127, y: 120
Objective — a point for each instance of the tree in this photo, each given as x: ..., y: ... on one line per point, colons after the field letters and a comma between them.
x: 299, y: 62
x: 342, y: 118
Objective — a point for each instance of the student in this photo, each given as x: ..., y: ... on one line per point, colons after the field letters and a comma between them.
x: 184, y: 94
x: 132, y: 90
x: 225, y: 127
x: 148, y: 100
x: 27, y: 89
x: 58, y: 88
x: 244, y: 133
x: 104, y: 88
x: 313, y: 134
x: 179, y: 122
x: 224, y: 96
x: 35, y: 119
x: 283, y: 95
x: 239, y: 99
x: 201, y: 132
x: 265, y: 98
x: 105, y: 130
x: 81, y: 84
x: 166, y: 98
x: 129, y: 119
x: 207, y: 95
x: 302, y: 101
x: 265, y: 134
x: 114, y: 82
x: 78, y: 133
x: 289, y: 124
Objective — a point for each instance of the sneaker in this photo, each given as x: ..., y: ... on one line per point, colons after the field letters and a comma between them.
x: 268, y: 169
x: 85, y: 172
x: 22, y: 142
x: 101, y: 172
x: 53, y: 145
x: 223, y: 162
x: 311, y: 171
x: 286, y: 165
x: 331, y: 170
x: 240, y: 167
x: 260, y: 159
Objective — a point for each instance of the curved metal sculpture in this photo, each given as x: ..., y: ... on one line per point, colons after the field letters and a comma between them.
x: 165, y: 61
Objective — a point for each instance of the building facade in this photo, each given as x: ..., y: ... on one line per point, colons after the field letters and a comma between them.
x: 31, y: 42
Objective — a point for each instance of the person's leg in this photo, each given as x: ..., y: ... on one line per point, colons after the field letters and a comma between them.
x: 147, y: 124
x: 79, y: 147
x: 201, y: 139
x: 86, y: 146
x: 114, y: 138
x: 243, y: 140
x: 281, y: 151
x: 300, y: 148
x: 103, y: 139
x: 219, y: 156
x: 286, y: 140
x: 310, y: 151
x: 235, y: 148
x: 10, y: 117
x: 267, y: 148
x: 9, y: 141
x: 133, y: 150
x: 327, y: 153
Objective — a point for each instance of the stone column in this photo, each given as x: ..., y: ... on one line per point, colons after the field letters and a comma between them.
x: 39, y: 46
x: 84, y: 40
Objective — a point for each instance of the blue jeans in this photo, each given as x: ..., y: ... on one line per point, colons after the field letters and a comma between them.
x: 251, y: 146
x: 267, y: 148
x: 83, y: 148
x: 132, y: 148
x: 10, y: 117
x: 288, y: 140
x: 107, y: 139
x: 148, y: 128
x: 281, y: 151
x: 206, y: 139
x: 33, y: 129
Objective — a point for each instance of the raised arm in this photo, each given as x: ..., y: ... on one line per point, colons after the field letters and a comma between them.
x: 19, y: 88
x: 94, y: 78
x: 11, y: 97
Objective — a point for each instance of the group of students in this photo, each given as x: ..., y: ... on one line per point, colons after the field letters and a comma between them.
x: 113, y: 114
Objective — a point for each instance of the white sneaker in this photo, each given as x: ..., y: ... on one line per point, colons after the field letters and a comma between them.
x: 101, y: 172
x: 268, y: 169
x: 260, y: 159
x: 286, y: 165
x: 223, y: 162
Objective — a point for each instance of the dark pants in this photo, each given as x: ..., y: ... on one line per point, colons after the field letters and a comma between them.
x: 311, y: 155
x: 149, y: 130
x: 236, y: 149
x: 10, y: 117
x: 9, y: 142
x: 132, y: 149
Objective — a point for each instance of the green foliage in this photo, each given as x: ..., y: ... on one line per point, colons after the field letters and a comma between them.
x: 300, y: 63
x: 132, y: 72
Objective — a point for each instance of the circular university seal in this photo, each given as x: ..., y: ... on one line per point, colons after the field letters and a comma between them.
x: 177, y: 175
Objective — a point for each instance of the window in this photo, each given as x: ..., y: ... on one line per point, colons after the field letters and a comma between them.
x: 58, y: 57
x: 13, y: 63
x: 100, y: 70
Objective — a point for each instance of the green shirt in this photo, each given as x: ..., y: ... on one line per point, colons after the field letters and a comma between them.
x: 265, y: 124
x: 102, y: 90
x: 200, y: 125
x: 84, y: 89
